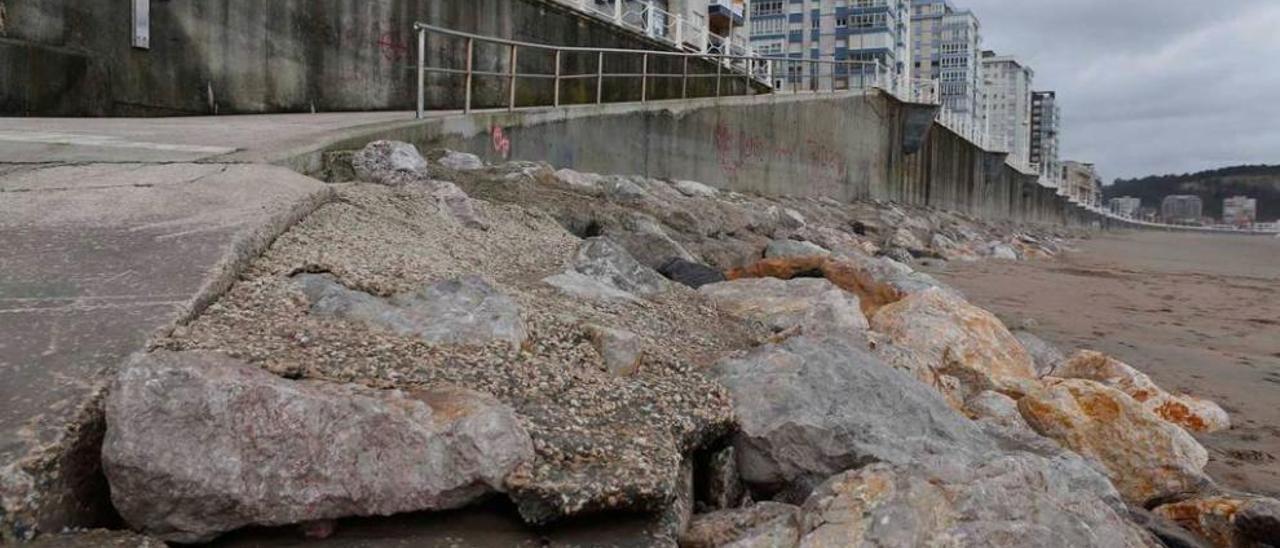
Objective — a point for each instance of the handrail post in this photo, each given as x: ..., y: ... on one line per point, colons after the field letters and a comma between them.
x: 422, y: 70
x: 617, y: 11
x: 719, y: 71
x: 679, y: 30
x: 471, y: 55
x: 511, y: 101
x: 600, y: 77
x: 644, y: 78
x: 684, y: 80
x: 557, y: 80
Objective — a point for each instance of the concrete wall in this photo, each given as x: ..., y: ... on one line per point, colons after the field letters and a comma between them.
x: 846, y: 147
x: 74, y: 58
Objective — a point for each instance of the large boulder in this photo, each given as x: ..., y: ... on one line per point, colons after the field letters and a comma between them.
x: 1146, y: 457
x: 1046, y: 357
x: 876, y: 281
x: 1228, y: 521
x: 694, y: 189
x: 948, y: 343
x: 198, y: 444
x: 812, y: 407
x: 390, y: 163
x: 780, y: 249
x: 1011, y: 500
x: 605, y: 260
x: 762, y: 525
x: 813, y: 304
x: 466, y: 311
x: 1194, y: 414
x: 646, y: 239
x: 689, y: 273
x: 461, y: 161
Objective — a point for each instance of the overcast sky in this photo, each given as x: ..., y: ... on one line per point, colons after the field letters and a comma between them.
x: 1151, y: 86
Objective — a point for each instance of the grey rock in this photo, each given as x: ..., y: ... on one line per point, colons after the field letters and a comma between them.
x: 691, y: 274
x: 694, y: 189
x: 581, y: 286
x: 199, y: 444
x: 793, y: 248
x: 674, y: 520
x: 814, y: 304
x: 624, y: 189
x: 812, y: 407
x: 464, y: 311
x: 762, y: 525
x: 1167, y: 532
x: 390, y: 163
x: 905, y: 239
x: 1047, y: 357
x: 620, y: 349
x: 605, y: 260
x: 456, y: 203
x: 461, y: 161
x: 997, y: 408
x: 1259, y: 520
x: 1003, y: 252
x: 1005, y: 500
x: 646, y: 240
x: 899, y: 254
x: 724, y: 487
x: 589, y: 184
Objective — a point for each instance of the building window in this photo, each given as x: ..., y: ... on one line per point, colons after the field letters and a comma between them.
x: 772, y: 7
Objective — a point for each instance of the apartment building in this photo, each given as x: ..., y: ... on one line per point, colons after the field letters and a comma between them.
x: 1182, y: 209
x: 946, y: 47
x: 858, y: 30
x: 1046, y: 123
x: 1239, y: 211
x: 1081, y: 183
x: 1125, y: 206
x: 1008, y: 105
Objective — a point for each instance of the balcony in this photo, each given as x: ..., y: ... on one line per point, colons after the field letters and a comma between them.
x: 728, y: 12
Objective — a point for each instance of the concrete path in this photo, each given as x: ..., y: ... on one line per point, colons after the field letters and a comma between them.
x: 115, y: 230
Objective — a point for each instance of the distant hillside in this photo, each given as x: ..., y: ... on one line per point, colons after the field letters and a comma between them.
x: 1260, y: 181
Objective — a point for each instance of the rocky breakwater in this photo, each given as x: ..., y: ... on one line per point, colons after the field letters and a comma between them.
x: 710, y: 367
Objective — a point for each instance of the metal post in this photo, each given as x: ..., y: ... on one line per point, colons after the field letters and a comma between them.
x: 644, y: 78
x: 617, y: 11
x: 511, y: 101
x: 471, y: 55
x: 600, y: 77
x: 557, y: 79
x: 422, y: 69
x: 679, y: 30
x: 719, y: 70
x: 684, y: 80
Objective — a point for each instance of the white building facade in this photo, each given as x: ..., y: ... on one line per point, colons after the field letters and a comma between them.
x: 1008, y: 106
x: 946, y: 46
x: 870, y: 31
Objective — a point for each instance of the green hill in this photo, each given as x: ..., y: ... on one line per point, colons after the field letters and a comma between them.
x: 1255, y: 181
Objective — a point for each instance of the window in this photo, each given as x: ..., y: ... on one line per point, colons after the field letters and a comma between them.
x: 771, y: 7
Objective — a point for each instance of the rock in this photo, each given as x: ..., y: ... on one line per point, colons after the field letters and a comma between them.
x: 95, y: 538
x: 579, y: 285
x: 899, y: 254
x: 1010, y: 500
x: 792, y: 248
x: 762, y: 525
x: 1194, y: 414
x: 1146, y: 457
x: 1167, y: 532
x: 620, y: 349
x: 461, y: 161
x: 1227, y: 521
x: 724, y: 484
x: 812, y: 407
x: 391, y: 163
x: 464, y: 311
x: 589, y: 184
x: 646, y: 240
x: 624, y: 189
x: 689, y: 273
x: 936, y: 334
x: 198, y: 444
x: 1003, y: 252
x: 1046, y: 357
x: 674, y: 520
x: 814, y: 304
x: 457, y: 204
x: 604, y: 260
x: 997, y: 408
x: 694, y: 189
x: 904, y: 239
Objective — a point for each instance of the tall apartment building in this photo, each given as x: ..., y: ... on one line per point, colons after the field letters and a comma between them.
x: 1239, y: 211
x: 857, y: 30
x: 1081, y: 183
x: 946, y: 46
x: 1046, y: 122
x: 1008, y: 104
x: 1182, y: 209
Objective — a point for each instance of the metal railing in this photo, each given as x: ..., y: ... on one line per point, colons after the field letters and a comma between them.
x: 773, y: 73
x: 643, y: 16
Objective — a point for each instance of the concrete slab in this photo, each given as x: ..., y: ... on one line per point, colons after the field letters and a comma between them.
x: 96, y: 260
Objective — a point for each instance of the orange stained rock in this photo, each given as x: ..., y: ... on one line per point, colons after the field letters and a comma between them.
x: 1194, y: 414
x: 1210, y: 518
x: 872, y: 295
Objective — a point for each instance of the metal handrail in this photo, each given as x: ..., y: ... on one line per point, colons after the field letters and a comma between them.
x: 755, y: 68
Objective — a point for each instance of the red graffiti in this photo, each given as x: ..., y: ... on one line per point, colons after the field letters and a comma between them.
x: 823, y: 162
x: 501, y: 143
x: 393, y: 47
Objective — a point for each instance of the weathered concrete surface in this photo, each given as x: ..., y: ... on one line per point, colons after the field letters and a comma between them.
x: 97, y: 259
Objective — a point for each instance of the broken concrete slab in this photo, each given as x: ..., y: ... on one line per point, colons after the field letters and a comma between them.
x: 97, y: 259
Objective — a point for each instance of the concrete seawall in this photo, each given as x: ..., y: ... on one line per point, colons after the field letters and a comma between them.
x: 845, y: 147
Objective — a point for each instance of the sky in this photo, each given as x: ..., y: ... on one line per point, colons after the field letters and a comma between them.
x: 1150, y: 86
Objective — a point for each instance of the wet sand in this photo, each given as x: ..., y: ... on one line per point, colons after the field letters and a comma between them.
x: 1198, y: 313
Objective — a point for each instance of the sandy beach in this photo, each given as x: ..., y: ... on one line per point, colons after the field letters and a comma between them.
x: 1199, y: 313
